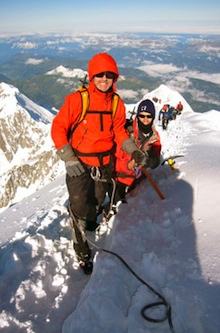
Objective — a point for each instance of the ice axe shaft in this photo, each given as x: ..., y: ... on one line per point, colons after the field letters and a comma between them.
x: 162, y: 197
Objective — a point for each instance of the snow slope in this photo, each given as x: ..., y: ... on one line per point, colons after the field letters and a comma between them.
x: 171, y: 244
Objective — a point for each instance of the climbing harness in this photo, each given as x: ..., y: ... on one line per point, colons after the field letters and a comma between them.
x: 95, y: 173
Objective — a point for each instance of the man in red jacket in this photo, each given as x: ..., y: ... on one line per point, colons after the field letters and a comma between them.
x: 88, y: 153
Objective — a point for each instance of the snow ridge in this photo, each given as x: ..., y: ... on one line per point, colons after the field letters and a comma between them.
x: 171, y: 244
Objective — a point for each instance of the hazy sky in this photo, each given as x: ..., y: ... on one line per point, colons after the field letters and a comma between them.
x: 188, y: 16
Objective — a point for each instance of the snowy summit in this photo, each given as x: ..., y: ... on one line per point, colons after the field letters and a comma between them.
x: 171, y: 244
x: 66, y: 72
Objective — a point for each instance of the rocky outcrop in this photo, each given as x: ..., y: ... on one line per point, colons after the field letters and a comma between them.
x: 28, y: 158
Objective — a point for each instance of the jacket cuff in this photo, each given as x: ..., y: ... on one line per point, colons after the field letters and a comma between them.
x: 129, y: 146
x: 65, y: 153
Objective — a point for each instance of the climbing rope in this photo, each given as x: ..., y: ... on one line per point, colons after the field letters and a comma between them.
x: 167, y: 313
x: 162, y: 301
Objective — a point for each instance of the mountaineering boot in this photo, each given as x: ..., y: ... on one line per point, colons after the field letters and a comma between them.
x: 87, y: 267
x: 83, y: 254
x: 81, y: 247
x: 108, y: 211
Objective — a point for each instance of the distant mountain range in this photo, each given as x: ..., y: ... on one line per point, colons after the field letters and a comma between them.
x: 47, y: 68
x: 186, y: 63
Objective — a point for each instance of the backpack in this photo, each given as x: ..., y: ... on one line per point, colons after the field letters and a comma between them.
x: 85, y: 106
x: 85, y: 103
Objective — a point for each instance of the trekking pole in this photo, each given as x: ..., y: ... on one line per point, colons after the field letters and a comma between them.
x: 162, y: 197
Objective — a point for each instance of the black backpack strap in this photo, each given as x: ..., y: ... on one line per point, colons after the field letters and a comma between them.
x: 99, y: 155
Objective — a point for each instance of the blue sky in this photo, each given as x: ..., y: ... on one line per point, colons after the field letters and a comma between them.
x: 188, y: 16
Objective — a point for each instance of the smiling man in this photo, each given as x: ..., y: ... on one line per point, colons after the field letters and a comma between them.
x: 88, y: 153
x: 103, y: 81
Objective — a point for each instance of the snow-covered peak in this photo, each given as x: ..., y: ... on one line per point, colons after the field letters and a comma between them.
x: 27, y: 155
x: 160, y: 96
x: 66, y: 72
x: 11, y: 101
x: 7, y: 98
x: 166, y: 95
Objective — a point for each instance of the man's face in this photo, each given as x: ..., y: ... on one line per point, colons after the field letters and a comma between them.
x: 104, y: 81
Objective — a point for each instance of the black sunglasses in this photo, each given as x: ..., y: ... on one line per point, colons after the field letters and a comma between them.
x: 109, y: 75
x: 149, y: 116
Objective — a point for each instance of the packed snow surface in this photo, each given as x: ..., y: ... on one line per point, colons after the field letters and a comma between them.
x: 172, y: 244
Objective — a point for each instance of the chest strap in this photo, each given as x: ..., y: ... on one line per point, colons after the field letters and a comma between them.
x: 101, y: 114
x: 99, y: 155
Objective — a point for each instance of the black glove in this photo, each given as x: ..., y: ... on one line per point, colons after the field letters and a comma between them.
x: 74, y: 168
x: 140, y: 157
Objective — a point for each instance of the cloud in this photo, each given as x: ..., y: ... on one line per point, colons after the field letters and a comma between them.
x: 214, y: 78
x: 32, y: 61
x: 183, y: 83
x: 26, y: 45
x: 158, y: 69
x: 162, y: 70
x: 131, y: 94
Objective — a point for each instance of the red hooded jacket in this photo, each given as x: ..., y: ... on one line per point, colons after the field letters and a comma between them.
x: 98, y: 131
x: 151, y: 145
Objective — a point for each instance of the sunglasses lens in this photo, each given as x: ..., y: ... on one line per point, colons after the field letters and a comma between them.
x: 99, y: 75
x: 108, y: 75
x: 143, y: 116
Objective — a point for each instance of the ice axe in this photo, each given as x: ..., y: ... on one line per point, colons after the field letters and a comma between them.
x: 162, y: 197
x: 170, y: 161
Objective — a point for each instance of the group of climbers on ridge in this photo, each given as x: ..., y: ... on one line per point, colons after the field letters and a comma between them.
x: 168, y: 113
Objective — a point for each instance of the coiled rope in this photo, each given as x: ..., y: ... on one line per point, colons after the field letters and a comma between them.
x: 162, y: 302
x: 167, y: 312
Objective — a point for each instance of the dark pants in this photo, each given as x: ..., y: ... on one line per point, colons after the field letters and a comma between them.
x: 120, y: 192
x: 85, y: 197
x: 122, y: 189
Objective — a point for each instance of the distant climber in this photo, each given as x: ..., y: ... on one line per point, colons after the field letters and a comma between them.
x: 164, y: 115
x: 179, y: 108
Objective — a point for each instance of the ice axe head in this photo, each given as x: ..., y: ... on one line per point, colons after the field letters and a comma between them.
x: 171, y: 163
